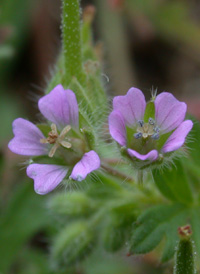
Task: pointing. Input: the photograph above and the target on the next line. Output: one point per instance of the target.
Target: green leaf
(173, 183)
(25, 216)
(154, 224)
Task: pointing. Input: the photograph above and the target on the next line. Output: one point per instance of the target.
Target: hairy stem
(71, 39)
(116, 173)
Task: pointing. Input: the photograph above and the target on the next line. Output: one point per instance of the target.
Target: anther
(156, 129)
(140, 122)
(138, 135)
(151, 121)
(155, 136)
(66, 144)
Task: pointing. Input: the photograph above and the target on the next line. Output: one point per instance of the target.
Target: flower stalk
(71, 40)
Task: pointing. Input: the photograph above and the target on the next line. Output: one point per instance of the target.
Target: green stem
(184, 263)
(71, 39)
(185, 258)
(140, 178)
(117, 173)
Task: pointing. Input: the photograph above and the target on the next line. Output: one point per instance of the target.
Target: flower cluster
(148, 131)
(61, 142)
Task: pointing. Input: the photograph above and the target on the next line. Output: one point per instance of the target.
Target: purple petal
(177, 139)
(117, 127)
(132, 106)
(151, 156)
(170, 112)
(87, 164)
(46, 177)
(60, 107)
(27, 139)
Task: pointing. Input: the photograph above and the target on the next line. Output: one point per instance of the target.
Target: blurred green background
(143, 43)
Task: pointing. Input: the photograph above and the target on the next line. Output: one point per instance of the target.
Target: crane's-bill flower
(61, 141)
(148, 131)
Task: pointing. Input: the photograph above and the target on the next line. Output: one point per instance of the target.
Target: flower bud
(184, 261)
(72, 244)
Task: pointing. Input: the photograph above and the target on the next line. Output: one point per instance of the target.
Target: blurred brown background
(145, 43)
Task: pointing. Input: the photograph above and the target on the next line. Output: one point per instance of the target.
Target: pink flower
(146, 137)
(59, 107)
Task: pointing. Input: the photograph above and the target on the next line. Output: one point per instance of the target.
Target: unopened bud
(72, 243)
(184, 261)
(185, 232)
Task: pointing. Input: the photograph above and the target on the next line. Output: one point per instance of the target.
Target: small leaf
(171, 241)
(173, 183)
(89, 137)
(149, 112)
(44, 128)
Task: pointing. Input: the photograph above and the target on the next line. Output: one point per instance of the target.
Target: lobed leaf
(156, 223)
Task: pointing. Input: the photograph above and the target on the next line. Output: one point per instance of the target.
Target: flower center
(56, 139)
(144, 130)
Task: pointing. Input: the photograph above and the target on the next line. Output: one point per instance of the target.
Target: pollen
(56, 139)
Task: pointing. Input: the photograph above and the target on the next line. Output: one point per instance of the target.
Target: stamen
(156, 129)
(54, 129)
(65, 131)
(44, 141)
(140, 122)
(155, 136)
(57, 140)
(151, 121)
(138, 135)
(66, 144)
(53, 150)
